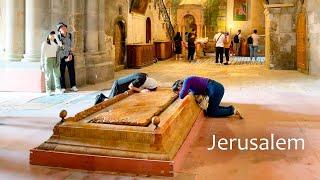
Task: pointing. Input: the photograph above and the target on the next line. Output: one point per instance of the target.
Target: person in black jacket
(66, 57)
(191, 45)
(178, 45)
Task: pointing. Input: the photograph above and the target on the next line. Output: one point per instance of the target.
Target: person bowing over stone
(207, 87)
(138, 82)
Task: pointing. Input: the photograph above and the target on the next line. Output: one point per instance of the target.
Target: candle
(205, 31)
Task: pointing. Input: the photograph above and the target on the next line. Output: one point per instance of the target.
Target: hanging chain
(166, 18)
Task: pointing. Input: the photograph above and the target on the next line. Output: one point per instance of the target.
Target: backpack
(236, 39)
(250, 40)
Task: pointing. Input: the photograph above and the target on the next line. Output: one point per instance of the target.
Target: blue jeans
(215, 91)
(253, 51)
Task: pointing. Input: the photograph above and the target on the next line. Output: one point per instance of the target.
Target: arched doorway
(119, 42)
(189, 22)
(148, 30)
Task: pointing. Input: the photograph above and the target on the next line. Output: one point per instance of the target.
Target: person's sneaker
(100, 98)
(74, 89)
(49, 93)
(63, 90)
(226, 63)
(58, 91)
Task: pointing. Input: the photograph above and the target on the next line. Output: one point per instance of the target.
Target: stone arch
(120, 19)
(196, 12)
(190, 25)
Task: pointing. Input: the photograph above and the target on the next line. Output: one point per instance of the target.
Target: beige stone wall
(281, 36)
(313, 20)
(159, 31)
(2, 27)
(137, 26)
(256, 18)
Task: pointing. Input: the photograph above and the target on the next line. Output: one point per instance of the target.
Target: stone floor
(285, 103)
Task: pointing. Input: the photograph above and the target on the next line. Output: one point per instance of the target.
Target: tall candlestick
(205, 31)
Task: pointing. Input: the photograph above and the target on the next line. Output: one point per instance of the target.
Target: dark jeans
(191, 51)
(120, 86)
(227, 53)
(215, 91)
(219, 53)
(72, 75)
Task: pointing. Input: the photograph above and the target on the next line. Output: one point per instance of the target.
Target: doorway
(148, 30)
(302, 63)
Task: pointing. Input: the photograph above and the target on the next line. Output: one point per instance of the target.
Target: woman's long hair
(177, 36)
(48, 40)
(176, 85)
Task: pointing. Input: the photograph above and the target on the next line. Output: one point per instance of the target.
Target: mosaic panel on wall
(240, 10)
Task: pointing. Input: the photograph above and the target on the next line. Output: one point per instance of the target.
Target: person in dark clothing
(66, 57)
(219, 39)
(204, 86)
(227, 44)
(139, 82)
(178, 45)
(191, 45)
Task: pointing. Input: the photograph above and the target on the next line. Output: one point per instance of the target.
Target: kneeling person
(138, 82)
(205, 86)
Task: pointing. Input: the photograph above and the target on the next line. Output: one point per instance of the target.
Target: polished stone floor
(284, 103)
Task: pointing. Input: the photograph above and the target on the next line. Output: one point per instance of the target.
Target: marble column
(92, 26)
(102, 34)
(37, 28)
(77, 26)
(59, 10)
(95, 57)
(14, 44)
(198, 30)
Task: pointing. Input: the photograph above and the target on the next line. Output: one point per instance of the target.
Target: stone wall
(116, 10)
(313, 20)
(256, 19)
(281, 36)
(159, 31)
(86, 20)
(137, 26)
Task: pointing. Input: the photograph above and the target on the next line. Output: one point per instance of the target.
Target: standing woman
(227, 44)
(178, 45)
(50, 65)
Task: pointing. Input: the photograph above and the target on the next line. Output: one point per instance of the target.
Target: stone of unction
(134, 141)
